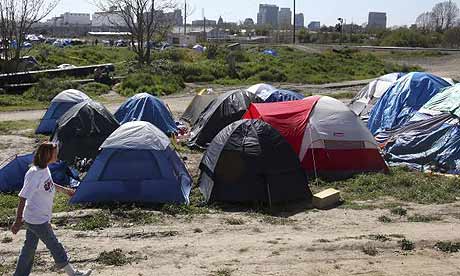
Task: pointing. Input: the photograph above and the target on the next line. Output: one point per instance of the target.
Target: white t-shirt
(39, 193)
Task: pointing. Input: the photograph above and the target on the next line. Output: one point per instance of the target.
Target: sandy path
(310, 243)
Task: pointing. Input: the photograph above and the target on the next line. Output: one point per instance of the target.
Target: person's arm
(68, 191)
(18, 222)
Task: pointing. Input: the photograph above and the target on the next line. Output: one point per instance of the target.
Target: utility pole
(293, 33)
(185, 18)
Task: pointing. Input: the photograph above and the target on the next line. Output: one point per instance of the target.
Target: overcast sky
(400, 12)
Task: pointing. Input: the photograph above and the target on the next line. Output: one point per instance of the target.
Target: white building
(70, 18)
(111, 19)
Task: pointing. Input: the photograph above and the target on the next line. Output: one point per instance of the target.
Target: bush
(46, 89)
(95, 88)
(150, 83)
(407, 38)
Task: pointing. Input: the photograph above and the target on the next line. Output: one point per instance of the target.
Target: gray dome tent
(249, 161)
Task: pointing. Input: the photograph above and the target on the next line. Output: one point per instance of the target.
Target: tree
(16, 19)
(452, 37)
(146, 21)
(425, 22)
(445, 15)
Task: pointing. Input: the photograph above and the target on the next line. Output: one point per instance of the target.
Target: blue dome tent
(145, 107)
(136, 164)
(280, 95)
(59, 105)
(12, 174)
(405, 97)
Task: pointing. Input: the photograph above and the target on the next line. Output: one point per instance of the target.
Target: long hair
(44, 154)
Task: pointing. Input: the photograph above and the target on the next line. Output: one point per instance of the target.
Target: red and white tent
(330, 140)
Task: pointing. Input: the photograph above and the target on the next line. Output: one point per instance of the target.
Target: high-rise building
(299, 20)
(314, 26)
(268, 15)
(377, 20)
(284, 17)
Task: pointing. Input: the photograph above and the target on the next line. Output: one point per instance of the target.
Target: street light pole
(293, 34)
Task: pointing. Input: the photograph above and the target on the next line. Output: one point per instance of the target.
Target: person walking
(35, 211)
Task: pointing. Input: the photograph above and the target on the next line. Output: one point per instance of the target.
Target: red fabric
(355, 160)
(289, 118)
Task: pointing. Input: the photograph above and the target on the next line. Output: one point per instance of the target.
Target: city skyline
(398, 12)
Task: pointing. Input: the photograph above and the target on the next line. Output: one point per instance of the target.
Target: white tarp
(374, 90)
(260, 88)
(332, 120)
(137, 135)
(71, 96)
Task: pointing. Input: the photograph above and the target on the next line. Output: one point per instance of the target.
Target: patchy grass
(384, 219)
(277, 220)
(97, 221)
(243, 250)
(399, 211)
(222, 272)
(370, 249)
(401, 184)
(423, 218)
(379, 237)
(8, 205)
(234, 221)
(136, 216)
(7, 240)
(407, 245)
(447, 246)
(13, 127)
(115, 257)
(19, 103)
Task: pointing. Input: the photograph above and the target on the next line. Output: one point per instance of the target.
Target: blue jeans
(45, 233)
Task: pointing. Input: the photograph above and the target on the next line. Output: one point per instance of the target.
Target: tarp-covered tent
(279, 95)
(59, 105)
(82, 130)
(329, 139)
(136, 164)
(148, 108)
(222, 111)
(260, 88)
(199, 103)
(405, 97)
(431, 137)
(249, 161)
(12, 174)
(365, 100)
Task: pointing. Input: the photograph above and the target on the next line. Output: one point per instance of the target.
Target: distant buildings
(70, 19)
(284, 17)
(201, 23)
(299, 20)
(377, 20)
(314, 26)
(268, 15)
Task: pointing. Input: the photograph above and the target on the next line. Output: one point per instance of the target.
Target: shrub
(407, 245)
(150, 83)
(115, 257)
(95, 88)
(46, 89)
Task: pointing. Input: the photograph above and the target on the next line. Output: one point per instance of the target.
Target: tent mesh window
(343, 145)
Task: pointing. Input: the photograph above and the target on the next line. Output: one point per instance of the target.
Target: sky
(399, 12)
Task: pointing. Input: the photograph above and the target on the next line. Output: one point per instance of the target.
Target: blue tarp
(139, 176)
(433, 142)
(270, 52)
(55, 111)
(279, 95)
(403, 99)
(12, 174)
(145, 107)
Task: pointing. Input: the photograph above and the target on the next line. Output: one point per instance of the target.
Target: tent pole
(269, 196)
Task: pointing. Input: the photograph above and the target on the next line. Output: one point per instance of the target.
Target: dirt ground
(341, 241)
